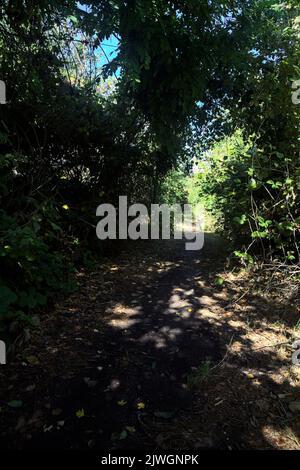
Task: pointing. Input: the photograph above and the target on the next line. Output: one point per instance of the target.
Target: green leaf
(252, 184)
(241, 220)
(73, 19)
(219, 281)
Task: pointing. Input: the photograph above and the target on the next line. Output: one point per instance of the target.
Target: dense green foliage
(173, 188)
(74, 134)
(254, 196)
(250, 181)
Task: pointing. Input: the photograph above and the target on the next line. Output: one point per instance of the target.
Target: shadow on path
(166, 326)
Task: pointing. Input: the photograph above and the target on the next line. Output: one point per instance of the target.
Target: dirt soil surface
(158, 349)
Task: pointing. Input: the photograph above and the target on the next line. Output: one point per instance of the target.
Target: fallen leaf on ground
(131, 429)
(80, 413)
(48, 429)
(294, 406)
(122, 403)
(32, 360)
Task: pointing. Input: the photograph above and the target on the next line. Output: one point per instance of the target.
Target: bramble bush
(33, 265)
(254, 196)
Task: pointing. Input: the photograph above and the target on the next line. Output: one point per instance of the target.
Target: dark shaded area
(133, 379)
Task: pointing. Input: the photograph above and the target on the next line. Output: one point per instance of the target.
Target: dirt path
(151, 354)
